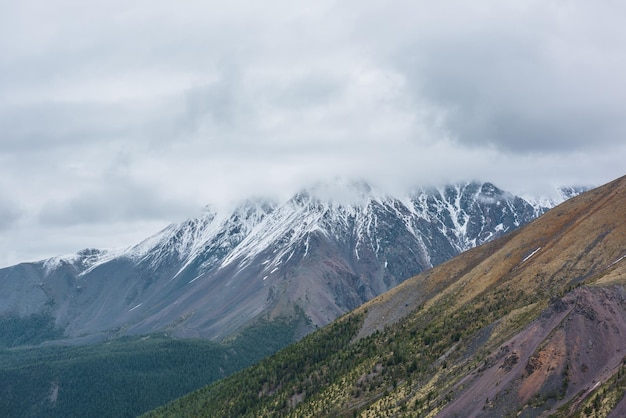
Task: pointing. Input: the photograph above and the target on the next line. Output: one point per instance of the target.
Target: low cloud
(116, 200)
(10, 213)
(139, 114)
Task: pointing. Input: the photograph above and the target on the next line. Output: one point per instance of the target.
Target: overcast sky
(119, 117)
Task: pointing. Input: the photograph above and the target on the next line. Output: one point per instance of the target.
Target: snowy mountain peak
(560, 195)
(327, 249)
(340, 193)
(80, 261)
(464, 213)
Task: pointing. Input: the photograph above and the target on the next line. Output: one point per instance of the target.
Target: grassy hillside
(510, 328)
(124, 377)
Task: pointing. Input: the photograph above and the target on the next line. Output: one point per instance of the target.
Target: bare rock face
(211, 276)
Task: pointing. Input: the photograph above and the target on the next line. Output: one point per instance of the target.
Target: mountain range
(530, 324)
(321, 253)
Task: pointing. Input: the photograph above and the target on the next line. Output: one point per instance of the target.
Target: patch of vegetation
(30, 330)
(600, 402)
(280, 381)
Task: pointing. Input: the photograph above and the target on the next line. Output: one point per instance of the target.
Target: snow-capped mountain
(214, 275)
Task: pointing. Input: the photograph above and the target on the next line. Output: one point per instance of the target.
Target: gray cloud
(525, 79)
(118, 116)
(46, 126)
(113, 199)
(310, 90)
(10, 213)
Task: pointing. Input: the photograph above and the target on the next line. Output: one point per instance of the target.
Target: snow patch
(195, 278)
(54, 263)
(530, 255)
(134, 307)
(85, 260)
(617, 261)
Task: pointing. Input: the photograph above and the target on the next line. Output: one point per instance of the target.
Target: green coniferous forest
(122, 377)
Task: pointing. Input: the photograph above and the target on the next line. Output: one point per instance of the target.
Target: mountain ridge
(530, 324)
(325, 251)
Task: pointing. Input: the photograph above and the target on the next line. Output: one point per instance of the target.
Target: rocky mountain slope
(216, 274)
(530, 324)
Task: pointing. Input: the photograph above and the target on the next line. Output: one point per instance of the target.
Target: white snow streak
(134, 307)
(530, 255)
(617, 261)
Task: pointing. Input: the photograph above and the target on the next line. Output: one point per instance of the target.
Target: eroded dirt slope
(576, 345)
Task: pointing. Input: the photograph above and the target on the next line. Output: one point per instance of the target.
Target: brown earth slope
(577, 343)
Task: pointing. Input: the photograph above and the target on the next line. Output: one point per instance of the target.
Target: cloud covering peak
(120, 117)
